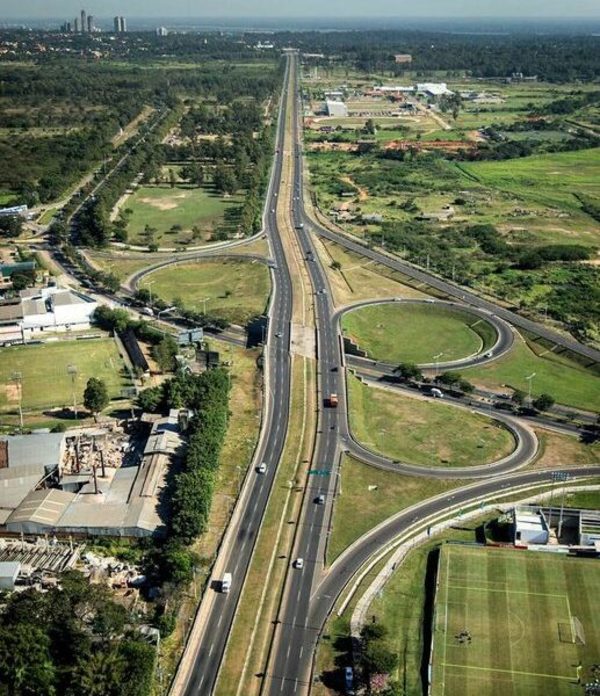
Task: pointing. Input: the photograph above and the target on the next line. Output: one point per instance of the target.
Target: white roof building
(336, 108)
(433, 89)
(42, 309)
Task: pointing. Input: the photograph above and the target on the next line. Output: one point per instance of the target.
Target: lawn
(423, 432)
(45, 380)
(233, 290)
(416, 333)
(565, 380)
(163, 207)
(378, 495)
(518, 608)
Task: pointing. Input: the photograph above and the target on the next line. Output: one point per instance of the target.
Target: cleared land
(45, 380)
(423, 432)
(518, 608)
(174, 212)
(568, 382)
(416, 333)
(233, 290)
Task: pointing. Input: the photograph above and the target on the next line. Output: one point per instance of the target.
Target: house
(402, 58)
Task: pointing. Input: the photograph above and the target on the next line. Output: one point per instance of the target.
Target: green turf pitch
(517, 607)
(46, 381)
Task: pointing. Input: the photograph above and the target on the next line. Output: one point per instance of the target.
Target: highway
(451, 290)
(309, 593)
(217, 610)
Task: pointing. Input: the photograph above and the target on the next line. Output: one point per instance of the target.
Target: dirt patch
(362, 193)
(13, 393)
(164, 203)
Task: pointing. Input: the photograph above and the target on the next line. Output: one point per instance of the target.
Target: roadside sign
(319, 472)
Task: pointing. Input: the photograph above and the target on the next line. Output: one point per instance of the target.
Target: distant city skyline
(486, 9)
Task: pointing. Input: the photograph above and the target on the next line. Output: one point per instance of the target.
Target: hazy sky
(540, 9)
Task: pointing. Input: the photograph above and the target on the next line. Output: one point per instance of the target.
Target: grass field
(416, 333)
(547, 179)
(46, 382)
(162, 207)
(423, 432)
(234, 290)
(378, 495)
(517, 607)
(565, 380)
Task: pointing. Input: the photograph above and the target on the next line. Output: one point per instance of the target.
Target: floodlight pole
(530, 380)
(17, 377)
(437, 358)
(72, 370)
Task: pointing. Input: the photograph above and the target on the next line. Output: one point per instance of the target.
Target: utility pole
(72, 370)
(561, 477)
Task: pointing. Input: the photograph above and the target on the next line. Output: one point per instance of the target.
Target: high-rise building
(122, 24)
(116, 25)
(83, 22)
(76, 25)
(161, 31)
(90, 23)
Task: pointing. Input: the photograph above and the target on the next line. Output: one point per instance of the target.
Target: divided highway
(200, 664)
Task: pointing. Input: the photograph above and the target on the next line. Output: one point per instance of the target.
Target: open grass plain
(417, 333)
(233, 290)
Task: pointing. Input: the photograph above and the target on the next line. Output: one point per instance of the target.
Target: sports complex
(515, 622)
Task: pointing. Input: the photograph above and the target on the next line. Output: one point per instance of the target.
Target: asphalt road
(452, 290)
(310, 594)
(209, 650)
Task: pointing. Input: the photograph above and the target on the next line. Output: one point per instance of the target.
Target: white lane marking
(212, 645)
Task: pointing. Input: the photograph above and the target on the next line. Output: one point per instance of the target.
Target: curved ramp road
(504, 333)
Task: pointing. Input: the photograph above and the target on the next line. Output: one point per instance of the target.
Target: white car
(262, 468)
(299, 563)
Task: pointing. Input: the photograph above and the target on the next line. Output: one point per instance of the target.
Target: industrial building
(88, 482)
(336, 108)
(44, 309)
(433, 89)
(557, 527)
(14, 211)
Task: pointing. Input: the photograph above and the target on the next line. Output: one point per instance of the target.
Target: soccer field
(46, 382)
(518, 613)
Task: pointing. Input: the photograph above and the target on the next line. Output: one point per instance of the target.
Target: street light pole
(530, 380)
(436, 358)
(149, 286)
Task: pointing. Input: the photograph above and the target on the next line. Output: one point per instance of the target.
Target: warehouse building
(44, 309)
(77, 489)
(336, 108)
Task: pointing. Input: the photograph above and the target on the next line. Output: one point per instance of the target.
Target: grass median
(568, 382)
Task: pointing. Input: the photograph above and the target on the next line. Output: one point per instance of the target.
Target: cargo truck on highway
(226, 583)
(333, 401)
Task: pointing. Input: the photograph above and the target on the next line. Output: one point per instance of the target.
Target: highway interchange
(310, 592)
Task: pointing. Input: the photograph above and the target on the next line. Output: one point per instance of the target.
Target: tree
(466, 386)
(172, 178)
(95, 396)
(449, 378)
(336, 266)
(378, 659)
(408, 371)
(22, 280)
(544, 402)
(11, 226)
(373, 631)
(26, 667)
(164, 353)
(518, 397)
